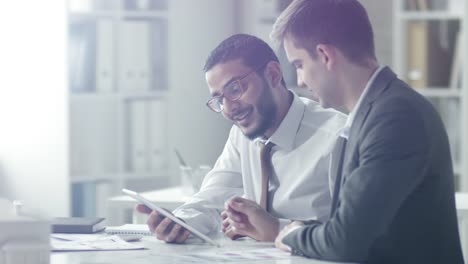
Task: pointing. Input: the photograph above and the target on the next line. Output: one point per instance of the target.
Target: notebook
(77, 225)
(129, 229)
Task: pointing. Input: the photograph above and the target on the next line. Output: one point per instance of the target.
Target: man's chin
(251, 133)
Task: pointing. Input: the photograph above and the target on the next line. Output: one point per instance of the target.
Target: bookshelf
(428, 53)
(118, 94)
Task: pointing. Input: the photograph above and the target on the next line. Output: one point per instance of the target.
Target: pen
(181, 160)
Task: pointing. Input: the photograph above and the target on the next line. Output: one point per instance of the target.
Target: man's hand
(284, 232)
(227, 228)
(164, 228)
(243, 217)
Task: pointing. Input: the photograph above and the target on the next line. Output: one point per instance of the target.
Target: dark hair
(254, 52)
(340, 23)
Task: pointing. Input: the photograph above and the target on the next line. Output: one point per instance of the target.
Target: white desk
(160, 252)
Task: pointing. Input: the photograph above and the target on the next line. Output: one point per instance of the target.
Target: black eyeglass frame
(215, 102)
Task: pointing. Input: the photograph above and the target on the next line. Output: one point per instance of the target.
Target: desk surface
(160, 252)
(171, 198)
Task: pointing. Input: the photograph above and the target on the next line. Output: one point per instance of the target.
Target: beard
(267, 109)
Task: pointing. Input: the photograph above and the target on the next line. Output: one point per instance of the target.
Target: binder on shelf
(81, 57)
(104, 56)
(456, 71)
(138, 136)
(456, 6)
(415, 5)
(157, 131)
(453, 127)
(417, 54)
(422, 5)
(103, 193)
(84, 199)
(80, 5)
(159, 54)
(93, 123)
(134, 61)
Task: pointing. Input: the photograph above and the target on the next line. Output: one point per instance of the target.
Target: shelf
(429, 15)
(101, 177)
(107, 177)
(119, 95)
(144, 14)
(145, 175)
(92, 95)
(87, 15)
(80, 16)
(439, 92)
(144, 94)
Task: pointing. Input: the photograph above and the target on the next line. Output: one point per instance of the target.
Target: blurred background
(96, 94)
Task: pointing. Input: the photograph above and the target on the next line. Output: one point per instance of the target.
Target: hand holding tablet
(167, 214)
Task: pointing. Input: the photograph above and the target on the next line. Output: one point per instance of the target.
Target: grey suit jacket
(395, 202)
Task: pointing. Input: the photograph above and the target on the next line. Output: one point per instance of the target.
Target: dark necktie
(267, 170)
(336, 171)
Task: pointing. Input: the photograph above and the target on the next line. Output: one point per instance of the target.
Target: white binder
(104, 56)
(134, 60)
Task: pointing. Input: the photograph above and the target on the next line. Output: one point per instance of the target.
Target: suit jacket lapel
(380, 84)
(337, 170)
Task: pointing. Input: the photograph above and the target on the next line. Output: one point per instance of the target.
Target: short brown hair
(340, 23)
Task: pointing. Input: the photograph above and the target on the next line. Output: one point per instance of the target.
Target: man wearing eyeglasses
(276, 158)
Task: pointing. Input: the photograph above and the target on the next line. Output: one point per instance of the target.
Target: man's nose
(300, 81)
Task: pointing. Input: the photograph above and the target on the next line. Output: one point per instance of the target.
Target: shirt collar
(349, 121)
(285, 134)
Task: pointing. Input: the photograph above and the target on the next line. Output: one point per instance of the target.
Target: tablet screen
(167, 214)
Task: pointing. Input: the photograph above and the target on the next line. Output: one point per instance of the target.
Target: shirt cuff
(292, 229)
(283, 223)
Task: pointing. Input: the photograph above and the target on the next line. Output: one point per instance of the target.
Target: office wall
(196, 27)
(381, 16)
(33, 105)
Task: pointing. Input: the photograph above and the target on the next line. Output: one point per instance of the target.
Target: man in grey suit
(393, 200)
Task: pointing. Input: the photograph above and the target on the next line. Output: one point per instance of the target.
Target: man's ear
(326, 55)
(273, 73)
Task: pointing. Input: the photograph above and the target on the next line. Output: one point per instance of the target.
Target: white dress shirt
(299, 187)
(349, 121)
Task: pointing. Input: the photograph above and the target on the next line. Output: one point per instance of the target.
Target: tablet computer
(162, 211)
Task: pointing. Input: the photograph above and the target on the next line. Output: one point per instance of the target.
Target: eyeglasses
(232, 92)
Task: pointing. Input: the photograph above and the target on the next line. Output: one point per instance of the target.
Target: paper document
(90, 243)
